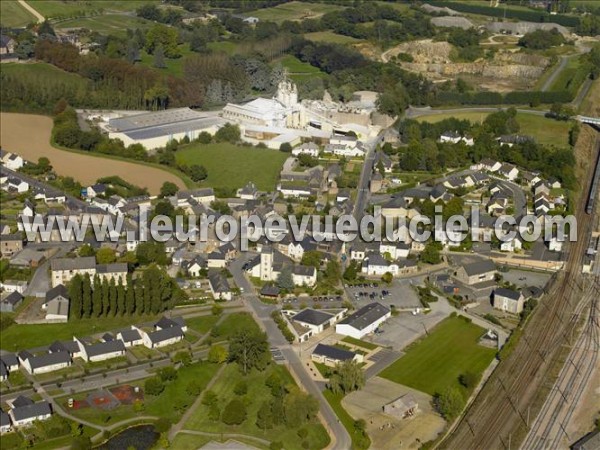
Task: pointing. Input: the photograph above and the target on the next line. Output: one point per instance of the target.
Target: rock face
(449, 21)
(521, 28)
(484, 68)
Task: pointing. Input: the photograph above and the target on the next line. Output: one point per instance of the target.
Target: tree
(387, 277)
(159, 58)
(163, 37)
(285, 280)
(249, 349)
(112, 298)
(241, 388)
(182, 357)
(168, 189)
(234, 413)
(197, 172)
(75, 295)
(469, 379)
(154, 386)
(299, 407)
(217, 354)
(105, 294)
(312, 258)
(228, 133)
(121, 299)
(450, 403)
(167, 373)
(105, 255)
(285, 147)
(86, 296)
(347, 377)
(264, 416)
(97, 297)
(431, 253)
(149, 252)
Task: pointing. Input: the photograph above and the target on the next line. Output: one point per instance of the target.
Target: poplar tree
(86, 296)
(97, 298)
(105, 297)
(75, 294)
(112, 297)
(121, 309)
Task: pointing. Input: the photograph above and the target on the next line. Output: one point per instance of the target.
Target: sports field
(435, 362)
(293, 11)
(545, 131)
(231, 166)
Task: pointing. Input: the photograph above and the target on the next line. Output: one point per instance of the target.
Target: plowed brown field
(29, 136)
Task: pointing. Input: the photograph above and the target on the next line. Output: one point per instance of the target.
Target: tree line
(151, 293)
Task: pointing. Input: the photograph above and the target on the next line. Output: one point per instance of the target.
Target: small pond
(141, 437)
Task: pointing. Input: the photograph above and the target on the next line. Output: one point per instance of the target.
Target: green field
(293, 11)
(43, 70)
(568, 76)
(62, 8)
(545, 131)
(223, 46)
(435, 362)
(109, 24)
(231, 166)
(233, 323)
(295, 66)
(335, 401)
(257, 393)
(174, 66)
(19, 337)
(202, 324)
(14, 15)
(331, 38)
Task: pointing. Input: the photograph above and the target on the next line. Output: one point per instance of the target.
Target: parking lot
(399, 293)
(324, 302)
(524, 278)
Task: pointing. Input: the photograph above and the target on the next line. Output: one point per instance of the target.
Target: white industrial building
(155, 129)
(364, 321)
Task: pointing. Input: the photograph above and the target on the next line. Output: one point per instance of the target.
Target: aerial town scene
(300, 224)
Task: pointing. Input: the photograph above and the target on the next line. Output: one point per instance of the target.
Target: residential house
(331, 356)
(248, 192)
(113, 271)
(130, 337)
(165, 322)
(71, 347)
(454, 137)
(95, 190)
(509, 171)
(382, 160)
(508, 300)
(29, 413)
(11, 302)
(10, 361)
(304, 275)
(11, 161)
(364, 321)
(490, 165)
(195, 266)
(309, 148)
(511, 245)
(476, 272)
(395, 250)
(14, 286)
(162, 338)
(316, 321)
(10, 244)
(513, 139)
(7, 45)
(375, 183)
(101, 351)
(64, 269)
(219, 286)
(5, 425)
(46, 362)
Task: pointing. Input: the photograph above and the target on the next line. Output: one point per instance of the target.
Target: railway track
(502, 406)
(553, 419)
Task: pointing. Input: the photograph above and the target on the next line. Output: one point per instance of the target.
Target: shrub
(234, 413)
(468, 380)
(241, 388)
(154, 386)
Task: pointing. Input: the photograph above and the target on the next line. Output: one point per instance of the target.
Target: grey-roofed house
(476, 272)
(56, 304)
(130, 337)
(5, 425)
(24, 415)
(270, 291)
(11, 302)
(101, 351)
(165, 322)
(64, 269)
(364, 321)
(508, 300)
(330, 356)
(161, 338)
(3, 372)
(114, 271)
(219, 286)
(46, 362)
(71, 347)
(316, 320)
(10, 361)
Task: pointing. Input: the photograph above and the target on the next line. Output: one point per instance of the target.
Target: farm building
(155, 129)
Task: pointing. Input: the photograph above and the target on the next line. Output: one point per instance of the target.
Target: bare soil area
(388, 432)
(29, 136)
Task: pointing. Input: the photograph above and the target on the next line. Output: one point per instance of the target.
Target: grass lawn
(108, 24)
(43, 70)
(257, 393)
(59, 8)
(202, 324)
(331, 37)
(435, 362)
(190, 441)
(335, 401)
(564, 79)
(223, 46)
(293, 11)
(359, 343)
(230, 166)
(545, 131)
(232, 323)
(295, 66)
(14, 15)
(18, 337)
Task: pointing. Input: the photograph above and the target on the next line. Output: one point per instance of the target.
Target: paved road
(550, 81)
(276, 339)
(362, 193)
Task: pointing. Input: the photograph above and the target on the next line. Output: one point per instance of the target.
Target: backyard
(231, 167)
(435, 362)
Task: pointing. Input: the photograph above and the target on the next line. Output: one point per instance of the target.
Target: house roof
(4, 419)
(104, 348)
(337, 354)
(112, 268)
(48, 359)
(107, 337)
(64, 346)
(29, 411)
(165, 334)
(130, 335)
(508, 293)
(479, 267)
(13, 298)
(59, 290)
(366, 315)
(312, 317)
(83, 263)
(305, 271)
(165, 322)
(218, 282)
(268, 290)
(21, 401)
(9, 359)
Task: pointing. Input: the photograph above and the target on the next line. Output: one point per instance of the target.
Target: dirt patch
(126, 394)
(388, 432)
(29, 136)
